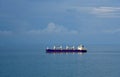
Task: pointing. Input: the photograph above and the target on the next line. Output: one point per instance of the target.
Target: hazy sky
(64, 21)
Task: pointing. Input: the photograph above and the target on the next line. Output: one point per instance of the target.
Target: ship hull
(65, 51)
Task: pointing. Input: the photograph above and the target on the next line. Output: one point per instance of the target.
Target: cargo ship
(79, 49)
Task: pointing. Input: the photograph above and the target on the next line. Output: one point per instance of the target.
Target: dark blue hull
(65, 51)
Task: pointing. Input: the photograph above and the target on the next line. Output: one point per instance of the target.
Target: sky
(32, 22)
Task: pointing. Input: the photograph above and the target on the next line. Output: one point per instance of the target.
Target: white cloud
(103, 10)
(99, 11)
(106, 11)
(53, 28)
(112, 31)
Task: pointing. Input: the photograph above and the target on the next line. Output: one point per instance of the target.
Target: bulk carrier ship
(79, 49)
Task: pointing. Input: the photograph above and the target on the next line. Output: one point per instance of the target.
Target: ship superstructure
(60, 49)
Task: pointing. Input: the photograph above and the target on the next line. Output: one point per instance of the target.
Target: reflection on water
(65, 53)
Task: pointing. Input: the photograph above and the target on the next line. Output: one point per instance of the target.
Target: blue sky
(63, 21)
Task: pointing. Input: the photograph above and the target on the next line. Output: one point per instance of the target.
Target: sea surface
(99, 61)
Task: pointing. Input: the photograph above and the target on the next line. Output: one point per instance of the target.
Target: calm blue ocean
(99, 61)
